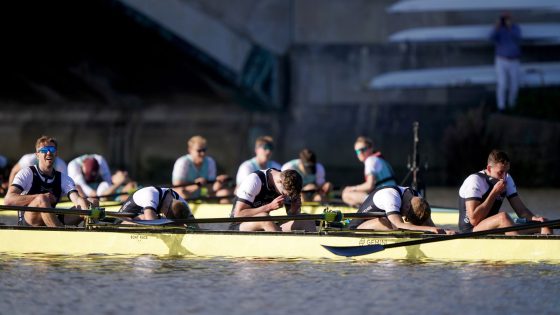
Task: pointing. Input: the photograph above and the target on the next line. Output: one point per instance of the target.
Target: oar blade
(162, 221)
(350, 251)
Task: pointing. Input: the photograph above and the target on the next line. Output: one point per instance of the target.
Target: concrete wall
(334, 48)
(146, 140)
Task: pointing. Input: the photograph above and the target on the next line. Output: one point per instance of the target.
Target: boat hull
(262, 245)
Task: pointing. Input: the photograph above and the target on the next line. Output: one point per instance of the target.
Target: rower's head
(505, 19)
(291, 183)
(46, 149)
(197, 147)
(498, 164)
(90, 169)
(419, 211)
(308, 160)
(363, 148)
(263, 148)
(177, 210)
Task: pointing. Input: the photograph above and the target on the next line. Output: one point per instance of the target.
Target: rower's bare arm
(429, 222)
(398, 223)
(15, 198)
(13, 173)
(79, 201)
(366, 186)
(522, 210)
(118, 179)
(244, 210)
(477, 211)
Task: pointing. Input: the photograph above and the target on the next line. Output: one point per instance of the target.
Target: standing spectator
(506, 37)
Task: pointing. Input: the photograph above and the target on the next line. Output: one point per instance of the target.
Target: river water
(39, 284)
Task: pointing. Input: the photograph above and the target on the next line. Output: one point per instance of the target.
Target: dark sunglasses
(203, 150)
(361, 150)
(47, 149)
(267, 146)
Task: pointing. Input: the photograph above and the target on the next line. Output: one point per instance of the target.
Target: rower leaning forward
(264, 191)
(151, 203)
(404, 207)
(42, 186)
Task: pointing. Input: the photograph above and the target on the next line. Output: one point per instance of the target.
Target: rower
(196, 173)
(93, 177)
(377, 172)
(315, 187)
(264, 191)
(481, 195)
(43, 186)
(264, 146)
(398, 203)
(150, 203)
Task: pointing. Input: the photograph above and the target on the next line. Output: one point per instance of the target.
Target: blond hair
(263, 140)
(196, 140)
(45, 139)
(365, 140)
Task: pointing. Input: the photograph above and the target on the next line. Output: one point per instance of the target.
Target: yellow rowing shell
(267, 245)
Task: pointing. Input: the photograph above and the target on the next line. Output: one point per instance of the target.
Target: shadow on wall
(532, 145)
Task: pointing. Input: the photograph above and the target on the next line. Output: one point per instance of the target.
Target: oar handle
(96, 212)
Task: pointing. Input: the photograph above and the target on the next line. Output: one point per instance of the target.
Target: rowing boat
(174, 241)
(440, 215)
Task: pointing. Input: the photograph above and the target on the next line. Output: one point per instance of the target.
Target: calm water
(146, 285)
(35, 284)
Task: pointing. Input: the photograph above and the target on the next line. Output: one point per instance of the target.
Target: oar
(350, 251)
(327, 216)
(96, 213)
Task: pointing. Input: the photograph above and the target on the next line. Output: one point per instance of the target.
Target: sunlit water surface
(38, 284)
